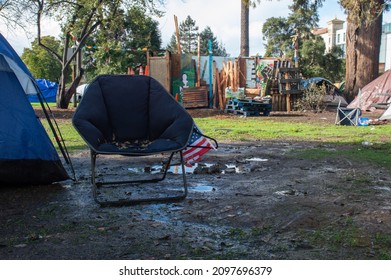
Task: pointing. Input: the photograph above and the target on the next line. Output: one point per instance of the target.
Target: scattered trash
(363, 121)
(199, 168)
(366, 143)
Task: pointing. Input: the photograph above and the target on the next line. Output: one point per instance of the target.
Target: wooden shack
(178, 74)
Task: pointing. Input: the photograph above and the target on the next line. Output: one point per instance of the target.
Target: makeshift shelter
(376, 92)
(27, 155)
(386, 115)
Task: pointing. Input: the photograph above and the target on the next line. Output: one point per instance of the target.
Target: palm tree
(244, 28)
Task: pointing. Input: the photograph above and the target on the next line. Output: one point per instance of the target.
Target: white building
(385, 47)
(335, 35)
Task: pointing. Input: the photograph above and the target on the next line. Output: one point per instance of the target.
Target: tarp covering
(27, 155)
(373, 93)
(386, 115)
(48, 90)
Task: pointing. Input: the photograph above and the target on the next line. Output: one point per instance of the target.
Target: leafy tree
(40, 62)
(188, 31)
(280, 32)
(315, 63)
(189, 40)
(313, 58)
(172, 46)
(79, 19)
(363, 38)
(217, 48)
(303, 18)
(277, 32)
(335, 65)
(124, 45)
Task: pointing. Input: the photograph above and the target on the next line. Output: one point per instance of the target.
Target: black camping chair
(132, 116)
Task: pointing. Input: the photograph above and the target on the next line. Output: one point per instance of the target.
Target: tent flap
(27, 155)
(373, 93)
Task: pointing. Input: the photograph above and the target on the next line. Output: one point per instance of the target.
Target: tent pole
(57, 136)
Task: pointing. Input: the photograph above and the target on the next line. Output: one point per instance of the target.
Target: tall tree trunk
(362, 55)
(244, 29)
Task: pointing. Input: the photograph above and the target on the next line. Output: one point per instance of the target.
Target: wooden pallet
(248, 107)
(242, 112)
(289, 81)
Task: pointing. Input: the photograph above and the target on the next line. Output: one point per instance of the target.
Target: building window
(338, 38)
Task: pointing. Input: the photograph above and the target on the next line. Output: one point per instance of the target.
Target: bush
(312, 100)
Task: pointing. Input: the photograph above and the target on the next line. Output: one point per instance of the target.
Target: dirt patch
(261, 200)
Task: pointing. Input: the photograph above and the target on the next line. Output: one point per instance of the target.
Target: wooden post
(215, 86)
(199, 62)
(288, 96)
(210, 73)
(219, 91)
(178, 39)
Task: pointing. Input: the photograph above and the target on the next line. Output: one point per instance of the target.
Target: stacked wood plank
(196, 97)
(229, 76)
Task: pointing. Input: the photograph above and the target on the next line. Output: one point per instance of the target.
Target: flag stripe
(198, 145)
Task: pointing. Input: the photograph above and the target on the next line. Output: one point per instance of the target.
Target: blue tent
(27, 155)
(48, 90)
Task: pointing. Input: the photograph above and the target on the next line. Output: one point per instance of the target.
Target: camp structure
(27, 155)
(374, 94)
(386, 115)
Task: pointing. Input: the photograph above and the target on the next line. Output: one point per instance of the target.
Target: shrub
(312, 100)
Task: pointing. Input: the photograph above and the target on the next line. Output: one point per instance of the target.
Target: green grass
(350, 236)
(260, 129)
(379, 153)
(246, 129)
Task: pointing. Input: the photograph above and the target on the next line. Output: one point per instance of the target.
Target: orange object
(141, 72)
(146, 72)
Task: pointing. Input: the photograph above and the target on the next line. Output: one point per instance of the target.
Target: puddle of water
(287, 192)
(257, 159)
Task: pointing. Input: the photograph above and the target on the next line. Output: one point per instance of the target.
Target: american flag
(198, 145)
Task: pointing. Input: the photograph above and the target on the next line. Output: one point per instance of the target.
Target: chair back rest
(126, 100)
(132, 107)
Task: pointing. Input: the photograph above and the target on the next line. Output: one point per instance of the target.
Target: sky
(222, 16)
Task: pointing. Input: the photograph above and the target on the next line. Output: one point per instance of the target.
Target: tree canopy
(78, 20)
(123, 45)
(40, 63)
(188, 34)
(281, 33)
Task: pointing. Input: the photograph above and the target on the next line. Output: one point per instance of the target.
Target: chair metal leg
(126, 202)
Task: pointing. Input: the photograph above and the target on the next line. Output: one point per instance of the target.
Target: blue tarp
(48, 89)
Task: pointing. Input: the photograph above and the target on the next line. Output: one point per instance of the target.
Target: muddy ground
(248, 200)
